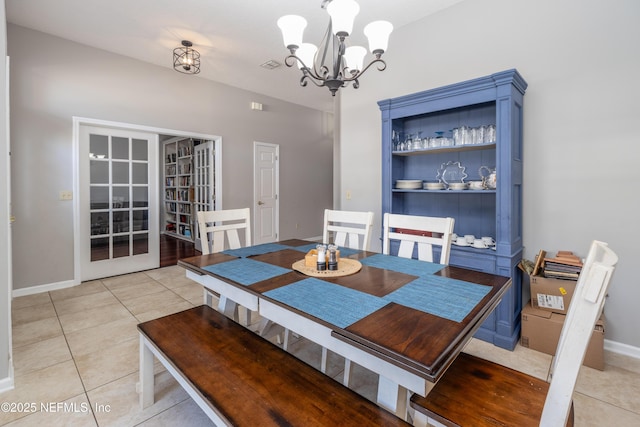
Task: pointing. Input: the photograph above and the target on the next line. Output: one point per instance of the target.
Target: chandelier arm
(308, 77)
(291, 60)
(381, 67)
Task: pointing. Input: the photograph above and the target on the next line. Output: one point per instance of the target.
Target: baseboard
(7, 384)
(620, 348)
(43, 288)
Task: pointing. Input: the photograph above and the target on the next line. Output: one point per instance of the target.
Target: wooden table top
(418, 341)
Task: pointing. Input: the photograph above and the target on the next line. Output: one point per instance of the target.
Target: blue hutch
(482, 102)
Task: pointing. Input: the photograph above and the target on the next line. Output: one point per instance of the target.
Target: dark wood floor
(172, 249)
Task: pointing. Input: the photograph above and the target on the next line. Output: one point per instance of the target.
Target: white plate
(457, 244)
(407, 184)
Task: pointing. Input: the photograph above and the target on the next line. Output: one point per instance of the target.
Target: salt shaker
(322, 260)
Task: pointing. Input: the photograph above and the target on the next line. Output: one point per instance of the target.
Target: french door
(118, 180)
(204, 185)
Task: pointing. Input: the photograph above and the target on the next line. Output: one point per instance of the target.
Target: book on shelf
(564, 266)
(560, 275)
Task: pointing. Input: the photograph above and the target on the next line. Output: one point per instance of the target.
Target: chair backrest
(584, 310)
(349, 229)
(213, 226)
(423, 231)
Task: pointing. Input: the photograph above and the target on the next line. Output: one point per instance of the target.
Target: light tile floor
(76, 360)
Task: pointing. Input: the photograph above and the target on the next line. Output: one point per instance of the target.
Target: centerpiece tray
(346, 267)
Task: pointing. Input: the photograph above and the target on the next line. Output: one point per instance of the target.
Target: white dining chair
(348, 229)
(423, 231)
(213, 227)
(477, 392)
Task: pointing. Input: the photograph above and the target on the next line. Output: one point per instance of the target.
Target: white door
(118, 186)
(265, 193)
(204, 194)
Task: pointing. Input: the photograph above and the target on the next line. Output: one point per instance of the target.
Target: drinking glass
(490, 135)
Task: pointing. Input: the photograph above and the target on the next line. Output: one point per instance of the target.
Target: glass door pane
(119, 196)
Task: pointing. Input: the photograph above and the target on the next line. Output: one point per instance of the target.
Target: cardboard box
(551, 294)
(541, 331)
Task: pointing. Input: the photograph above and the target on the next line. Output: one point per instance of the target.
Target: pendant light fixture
(186, 59)
(334, 65)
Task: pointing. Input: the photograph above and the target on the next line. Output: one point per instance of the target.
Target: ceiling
(233, 36)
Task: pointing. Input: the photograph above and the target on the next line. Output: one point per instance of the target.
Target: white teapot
(489, 177)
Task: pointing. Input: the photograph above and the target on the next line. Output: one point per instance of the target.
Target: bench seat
(241, 379)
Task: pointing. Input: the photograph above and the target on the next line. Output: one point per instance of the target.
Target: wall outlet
(348, 195)
(66, 195)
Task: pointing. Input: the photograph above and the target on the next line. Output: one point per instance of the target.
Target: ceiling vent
(270, 64)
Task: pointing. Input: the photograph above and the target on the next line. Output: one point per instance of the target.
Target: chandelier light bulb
(343, 13)
(292, 27)
(378, 33)
(307, 54)
(354, 57)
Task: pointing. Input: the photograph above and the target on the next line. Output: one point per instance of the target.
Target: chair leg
(347, 373)
(208, 298)
(420, 419)
(228, 308)
(244, 315)
(323, 361)
(285, 341)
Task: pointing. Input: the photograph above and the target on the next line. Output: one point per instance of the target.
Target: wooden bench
(241, 379)
(484, 394)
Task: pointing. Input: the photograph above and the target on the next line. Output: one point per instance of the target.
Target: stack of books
(564, 266)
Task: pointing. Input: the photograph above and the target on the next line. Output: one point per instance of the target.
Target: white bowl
(433, 186)
(458, 186)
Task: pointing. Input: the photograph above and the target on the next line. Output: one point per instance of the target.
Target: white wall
(54, 79)
(6, 380)
(581, 144)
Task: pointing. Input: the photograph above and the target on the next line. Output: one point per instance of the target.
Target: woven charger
(346, 267)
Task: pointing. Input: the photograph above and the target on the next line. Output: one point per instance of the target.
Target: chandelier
(334, 65)
(186, 59)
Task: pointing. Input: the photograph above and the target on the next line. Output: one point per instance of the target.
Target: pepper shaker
(333, 258)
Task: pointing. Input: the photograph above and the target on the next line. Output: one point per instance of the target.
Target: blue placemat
(343, 251)
(255, 250)
(246, 271)
(403, 265)
(448, 298)
(304, 248)
(332, 303)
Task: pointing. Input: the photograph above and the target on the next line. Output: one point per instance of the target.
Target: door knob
(260, 203)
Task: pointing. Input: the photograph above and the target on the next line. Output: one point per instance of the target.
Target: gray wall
(5, 289)
(581, 112)
(54, 79)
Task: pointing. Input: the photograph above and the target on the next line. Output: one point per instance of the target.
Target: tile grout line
(75, 364)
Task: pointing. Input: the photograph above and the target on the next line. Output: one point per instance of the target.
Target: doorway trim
(84, 121)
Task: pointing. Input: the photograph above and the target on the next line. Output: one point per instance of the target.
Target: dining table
(404, 319)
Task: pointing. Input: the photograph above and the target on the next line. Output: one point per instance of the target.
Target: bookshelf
(178, 188)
